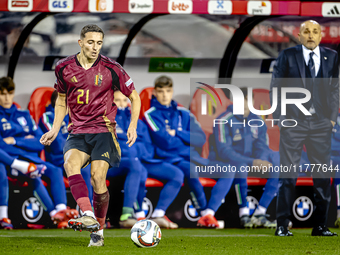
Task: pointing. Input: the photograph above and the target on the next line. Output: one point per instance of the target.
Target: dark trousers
(316, 135)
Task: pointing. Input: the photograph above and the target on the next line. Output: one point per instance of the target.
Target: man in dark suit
(315, 69)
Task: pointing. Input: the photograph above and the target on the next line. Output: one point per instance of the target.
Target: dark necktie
(311, 65)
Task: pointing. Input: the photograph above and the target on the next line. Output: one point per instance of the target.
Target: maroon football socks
(100, 205)
(79, 191)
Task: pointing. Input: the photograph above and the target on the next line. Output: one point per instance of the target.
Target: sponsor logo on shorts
(74, 79)
(106, 155)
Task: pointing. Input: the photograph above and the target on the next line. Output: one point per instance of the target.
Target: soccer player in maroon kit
(86, 83)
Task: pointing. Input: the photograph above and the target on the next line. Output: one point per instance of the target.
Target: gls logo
(60, 5)
(238, 103)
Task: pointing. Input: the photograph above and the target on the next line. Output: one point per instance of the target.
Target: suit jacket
(290, 64)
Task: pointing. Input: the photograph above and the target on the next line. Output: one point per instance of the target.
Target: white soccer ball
(146, 233)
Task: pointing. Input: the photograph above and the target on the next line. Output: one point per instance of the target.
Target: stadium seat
(150, 182)
(40, 98)
(262, 102)
(206, 121)
(17, 105)
(145, 97)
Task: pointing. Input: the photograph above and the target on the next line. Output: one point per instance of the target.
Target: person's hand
(131, 135)
(172, 132)
(333, 123)
(266, 163)
(9, 140)
(257, 163)
(49, 137)
(29, 136)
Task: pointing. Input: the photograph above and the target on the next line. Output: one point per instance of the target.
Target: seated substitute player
(24, 167)
(171, 128)
(20, 139)
(54, 152)
(86, 83)
(243, 146)
(155, 168)
(129, 164)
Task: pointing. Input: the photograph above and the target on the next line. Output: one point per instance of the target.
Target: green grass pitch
(180, 241)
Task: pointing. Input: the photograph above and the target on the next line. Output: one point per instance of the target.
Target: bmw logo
(31, 210)
(190, 211)
(252, 203)
(303, 208)
(147, 207)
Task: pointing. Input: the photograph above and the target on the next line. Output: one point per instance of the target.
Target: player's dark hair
(163, 81)
(90, 28)
(6, 83)
(54, 97)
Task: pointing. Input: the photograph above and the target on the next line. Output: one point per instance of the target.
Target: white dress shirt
(316, 57)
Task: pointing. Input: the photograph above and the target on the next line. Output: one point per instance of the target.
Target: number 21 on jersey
(79, 98)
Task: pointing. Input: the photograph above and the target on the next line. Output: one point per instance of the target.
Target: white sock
(260, 210)
(60, 207)
(53, 212)
(208, 211)
(20, 165)
(100, 232)
(243, 211)
(140, 214)
(338, 213)
(3, 212)
(89, 213)
(158, 213)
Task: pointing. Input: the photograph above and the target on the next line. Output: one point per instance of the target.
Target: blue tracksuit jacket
(143, 147)
(189, 134)
(237, 143)
(54, 152)
(18, 124)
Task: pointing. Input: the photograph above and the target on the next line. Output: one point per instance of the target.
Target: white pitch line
(229, 235)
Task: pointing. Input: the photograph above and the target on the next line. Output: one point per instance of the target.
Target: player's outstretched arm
(60, 112)
(136, 104)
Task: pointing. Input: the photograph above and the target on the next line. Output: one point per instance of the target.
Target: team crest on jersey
(22, 121)
(255, 132)
(98, 80)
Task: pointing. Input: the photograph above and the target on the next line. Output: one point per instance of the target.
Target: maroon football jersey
(89, 93)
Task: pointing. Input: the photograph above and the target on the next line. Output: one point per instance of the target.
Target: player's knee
(71, 167)
(98, 179)
(179, 178)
